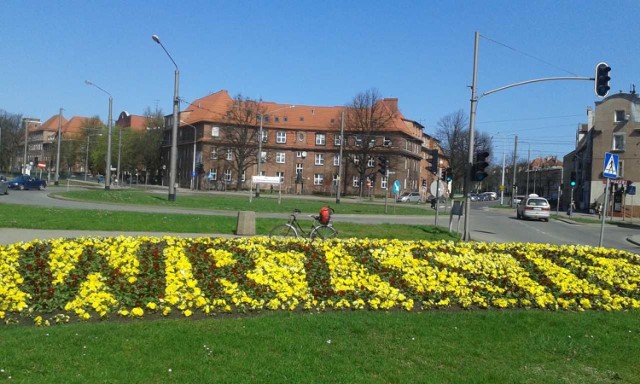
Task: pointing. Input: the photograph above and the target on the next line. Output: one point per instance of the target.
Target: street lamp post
(193, 167)
(26, 122)
(174, 130)
(107, 177)
(260, 145)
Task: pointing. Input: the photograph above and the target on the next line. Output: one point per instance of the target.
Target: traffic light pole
(472, 119)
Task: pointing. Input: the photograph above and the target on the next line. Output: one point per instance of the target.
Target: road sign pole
(604, 212)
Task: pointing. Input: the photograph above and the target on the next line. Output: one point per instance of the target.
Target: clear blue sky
(323, 53)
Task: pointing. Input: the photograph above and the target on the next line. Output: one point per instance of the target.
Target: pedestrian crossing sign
(610, 166)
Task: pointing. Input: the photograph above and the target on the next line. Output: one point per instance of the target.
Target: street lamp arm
(157, 40)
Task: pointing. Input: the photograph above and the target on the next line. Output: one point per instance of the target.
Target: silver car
(409, 197)
(533, 207)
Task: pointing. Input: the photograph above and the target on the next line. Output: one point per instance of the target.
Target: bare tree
(241, 135)
(453, 133)
(365, 120)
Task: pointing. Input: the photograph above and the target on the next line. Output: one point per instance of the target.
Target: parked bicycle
(293, 228)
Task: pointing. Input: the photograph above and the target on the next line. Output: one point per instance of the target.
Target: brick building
(300, 145)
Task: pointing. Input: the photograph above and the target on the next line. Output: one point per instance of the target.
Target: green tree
(11, 133)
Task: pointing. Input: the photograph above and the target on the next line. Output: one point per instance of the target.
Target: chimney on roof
(392, 102)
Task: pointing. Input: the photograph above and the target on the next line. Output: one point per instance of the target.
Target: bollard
(246, 225)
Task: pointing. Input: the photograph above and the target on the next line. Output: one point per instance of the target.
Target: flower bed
(89, 278)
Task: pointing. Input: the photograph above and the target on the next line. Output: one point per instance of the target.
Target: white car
(409, 197)
(533, 207)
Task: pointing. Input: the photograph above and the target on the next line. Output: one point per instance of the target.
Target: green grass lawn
(103, 220)
(347, 347)
(234, 202)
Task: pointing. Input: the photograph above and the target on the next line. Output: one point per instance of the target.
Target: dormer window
(620, 116)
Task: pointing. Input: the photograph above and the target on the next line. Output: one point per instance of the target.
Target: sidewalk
(635, 239)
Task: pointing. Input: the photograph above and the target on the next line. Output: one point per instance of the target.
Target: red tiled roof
(214, 107)
(73, 126)
(52, 123)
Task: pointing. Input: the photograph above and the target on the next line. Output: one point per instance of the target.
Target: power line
(529, 55)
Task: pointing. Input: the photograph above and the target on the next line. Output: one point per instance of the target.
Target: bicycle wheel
(283, 230)
(323, 232)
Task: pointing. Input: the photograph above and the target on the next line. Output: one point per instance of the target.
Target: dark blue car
(23, 182)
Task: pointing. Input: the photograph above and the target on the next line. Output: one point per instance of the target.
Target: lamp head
(155, 38)
(88, 82)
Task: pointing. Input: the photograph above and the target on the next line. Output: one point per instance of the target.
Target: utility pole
(515, 162)
(472, 121)
(56, 179)
(339, 178)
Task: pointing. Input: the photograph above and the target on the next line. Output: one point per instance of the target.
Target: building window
(285, 119)
(319, 159)
(263, 157)
(383, 182)
(337, 140)
(620, 168)
(618, 142)
(299, 154)
(336, 160)
(276, 119)
(620, 116)
(213, 175)
(281, 137)
(229, 154)
(280, 156)
(280, 174)
(244, 176)
(227, 175)
(356, 160)
(321, 139)
(264, 136)
(318, 179)
(356, 181)
(387, 141)
(215, 131)
(371, 162)
(214, 153)
(299, 168)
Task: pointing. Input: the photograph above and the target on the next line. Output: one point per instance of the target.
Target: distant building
(613, 127)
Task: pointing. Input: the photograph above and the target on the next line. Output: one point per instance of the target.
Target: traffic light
(601, 83)
(449, 175)
(478, 169)
(443, 175)
(383, 163)
(573, 179)
(433, 161)
(199, 168)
